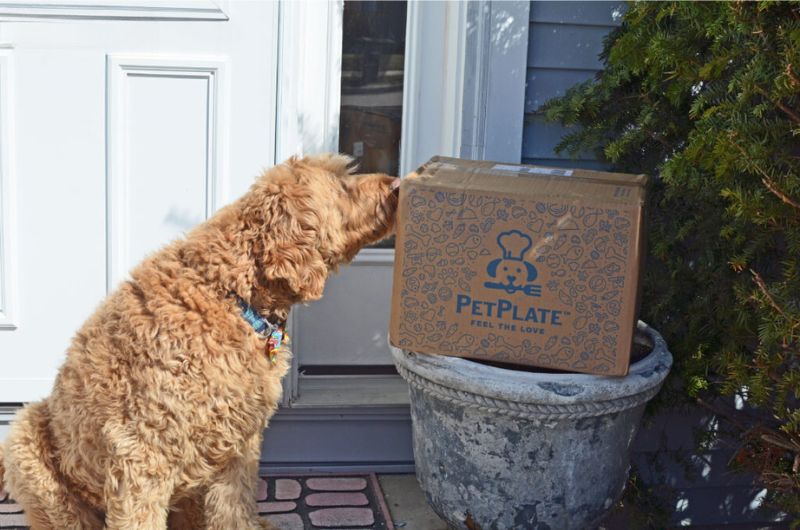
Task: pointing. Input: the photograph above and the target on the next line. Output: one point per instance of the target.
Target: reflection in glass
(373, 53)
(373, 57)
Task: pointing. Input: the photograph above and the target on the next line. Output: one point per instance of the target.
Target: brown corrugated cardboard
(519, 264)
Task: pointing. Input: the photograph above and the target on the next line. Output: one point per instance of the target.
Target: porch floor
(405, 501)
(410, 511)
(407, 504)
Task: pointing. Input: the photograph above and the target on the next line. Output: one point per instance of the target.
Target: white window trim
(434, 76)
(496, 52)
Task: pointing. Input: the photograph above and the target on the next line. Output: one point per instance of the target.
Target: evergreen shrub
(705, 98)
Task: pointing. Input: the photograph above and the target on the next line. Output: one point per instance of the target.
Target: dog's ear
(290, 242)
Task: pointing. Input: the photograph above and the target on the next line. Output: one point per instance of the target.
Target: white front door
(122, 125)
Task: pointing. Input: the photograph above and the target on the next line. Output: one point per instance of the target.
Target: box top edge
(488, 166)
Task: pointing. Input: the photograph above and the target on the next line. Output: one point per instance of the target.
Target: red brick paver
(291, 503)
(261, 491)
(336, 484)
(337, 499)
(287, 521)
(340, 517)
(276, 507)
(13, 519)
(287, 489)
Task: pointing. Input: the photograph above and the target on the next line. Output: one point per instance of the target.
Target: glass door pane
(373, 59)
(373, 56)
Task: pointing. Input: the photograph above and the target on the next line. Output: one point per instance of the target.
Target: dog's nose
(511, 278)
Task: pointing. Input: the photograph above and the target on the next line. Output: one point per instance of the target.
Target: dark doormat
(293, 502)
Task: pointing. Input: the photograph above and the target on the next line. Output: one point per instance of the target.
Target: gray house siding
(564, 41)
(699, 487)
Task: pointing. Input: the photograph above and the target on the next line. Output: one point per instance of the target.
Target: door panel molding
(120, 70)
(176, 10)
(8, 218)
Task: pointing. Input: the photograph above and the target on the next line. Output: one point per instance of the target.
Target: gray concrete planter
(507, 449)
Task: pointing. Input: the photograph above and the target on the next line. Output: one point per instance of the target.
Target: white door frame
(8, 218)
(496, 53)
(434, 81)
(309, 78)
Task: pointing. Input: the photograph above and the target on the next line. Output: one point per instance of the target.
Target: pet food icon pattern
(577, 253)
(512, 273)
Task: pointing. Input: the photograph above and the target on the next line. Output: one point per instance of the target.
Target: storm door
(382, 85)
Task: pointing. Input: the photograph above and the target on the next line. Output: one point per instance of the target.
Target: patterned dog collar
(276, 335)
(262, 326)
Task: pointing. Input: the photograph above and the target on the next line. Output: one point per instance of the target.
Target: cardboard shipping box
(519, 264)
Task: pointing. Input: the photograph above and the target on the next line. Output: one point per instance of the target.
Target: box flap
(566, 184)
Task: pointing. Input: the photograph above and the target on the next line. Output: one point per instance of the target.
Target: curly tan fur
(157, 414)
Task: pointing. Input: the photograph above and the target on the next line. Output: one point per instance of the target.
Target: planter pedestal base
(504, 449)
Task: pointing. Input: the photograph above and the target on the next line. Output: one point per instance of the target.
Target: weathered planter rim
(460, 377)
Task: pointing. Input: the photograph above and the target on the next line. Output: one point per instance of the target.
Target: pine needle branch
(762, 286)
(768, 182)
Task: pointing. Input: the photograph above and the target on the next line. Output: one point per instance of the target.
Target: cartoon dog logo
(511, 272)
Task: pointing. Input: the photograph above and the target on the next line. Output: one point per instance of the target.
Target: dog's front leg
(137, 492)
(231, 499)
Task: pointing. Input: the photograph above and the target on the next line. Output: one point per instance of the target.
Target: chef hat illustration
(514, 244)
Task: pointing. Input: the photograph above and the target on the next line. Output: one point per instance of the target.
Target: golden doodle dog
(156, 417)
